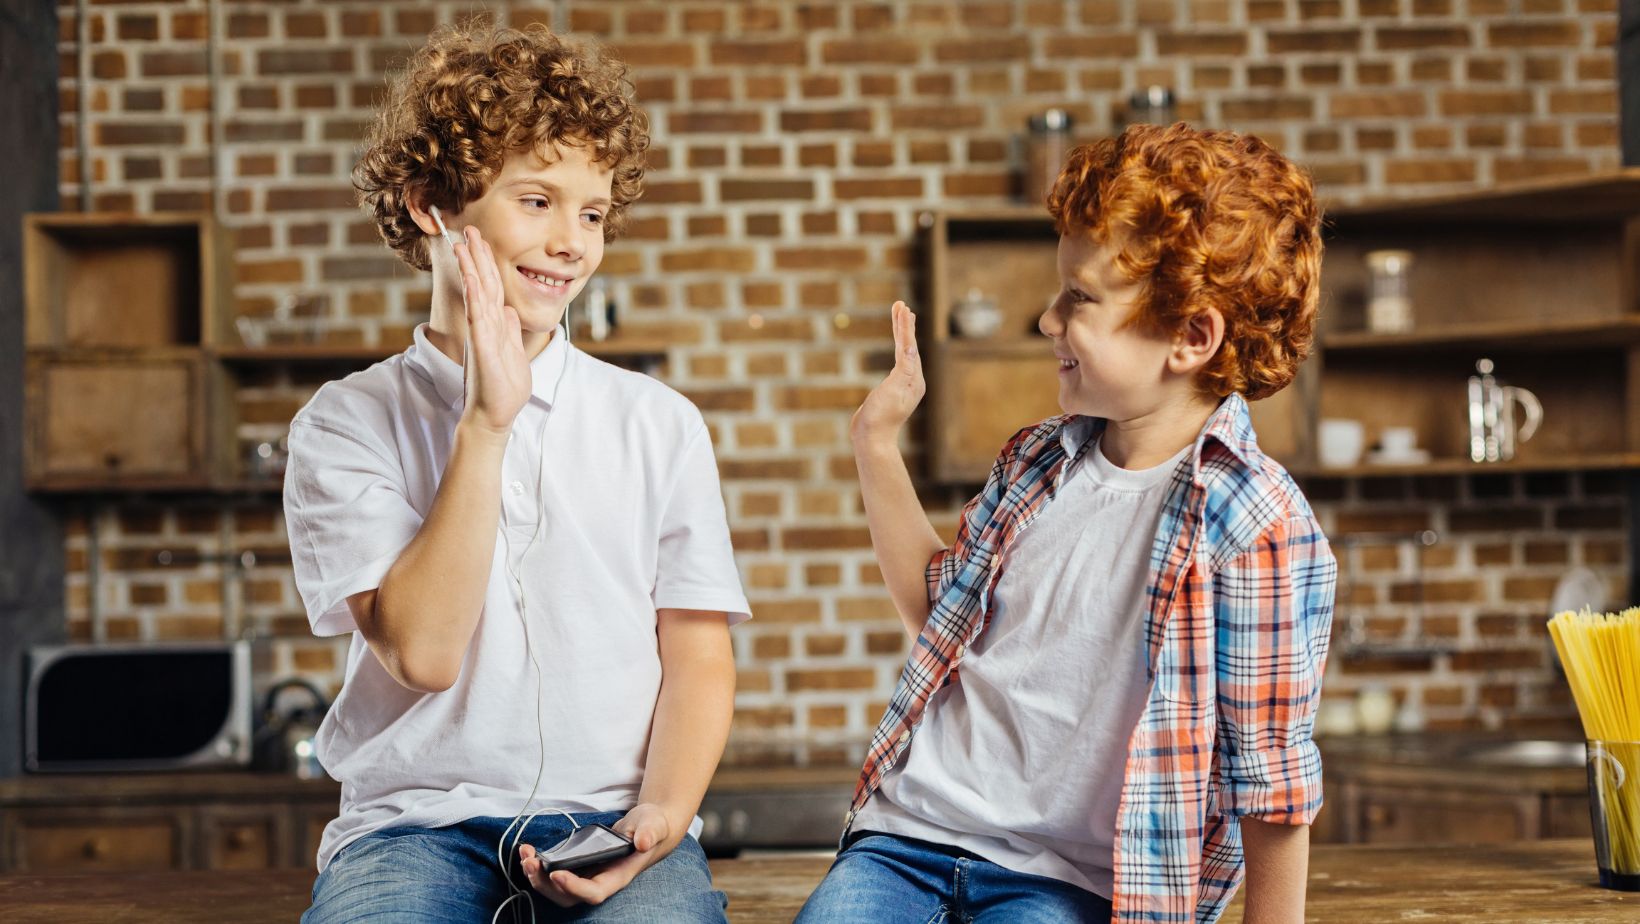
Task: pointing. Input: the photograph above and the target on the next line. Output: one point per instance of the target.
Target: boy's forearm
(901, 535)
(1278, 864)
(430, 600)
(692, 716)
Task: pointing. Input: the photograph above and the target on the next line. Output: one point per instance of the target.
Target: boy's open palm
(498, 372)
(890, 404)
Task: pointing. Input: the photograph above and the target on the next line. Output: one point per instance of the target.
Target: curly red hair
(475, 94)
(1206, 219)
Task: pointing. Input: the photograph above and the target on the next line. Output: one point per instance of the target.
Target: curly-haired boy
(1116, 665)
(528, 545)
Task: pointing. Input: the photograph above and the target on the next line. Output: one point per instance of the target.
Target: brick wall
(796, 145)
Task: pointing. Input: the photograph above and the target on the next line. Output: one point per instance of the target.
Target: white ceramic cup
(1341, 442)
(1398, 441)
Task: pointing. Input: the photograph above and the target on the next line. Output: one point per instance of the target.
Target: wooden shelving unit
(1542, 278)
(134, 367)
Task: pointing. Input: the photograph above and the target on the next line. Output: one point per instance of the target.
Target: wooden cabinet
(85, 841)
(163, 821)
(1541, 278)
(1430, 789)
(136, 376)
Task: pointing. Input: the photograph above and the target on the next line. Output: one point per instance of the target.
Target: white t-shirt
(634, 523)
(1021, 760)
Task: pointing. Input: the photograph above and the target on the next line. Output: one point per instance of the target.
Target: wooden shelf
(1613, 333)
(1592, 462)
(1610, 196)
(1543, 277)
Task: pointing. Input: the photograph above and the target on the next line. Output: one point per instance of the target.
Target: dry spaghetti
(1601, 655)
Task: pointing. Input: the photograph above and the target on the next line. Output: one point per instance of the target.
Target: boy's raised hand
(497, 372)
(890, 404)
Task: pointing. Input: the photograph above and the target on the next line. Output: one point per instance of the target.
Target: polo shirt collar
(448, 377)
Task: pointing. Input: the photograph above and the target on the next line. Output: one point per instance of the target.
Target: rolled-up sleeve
(348, 518)
(1273, 610)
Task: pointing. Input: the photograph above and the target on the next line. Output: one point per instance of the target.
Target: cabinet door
(310, 829)
(47, 840)
(1402, 816)
(115, 421)
(986, 393)
(242, 838)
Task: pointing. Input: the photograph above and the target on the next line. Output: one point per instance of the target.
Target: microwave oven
(110, 707)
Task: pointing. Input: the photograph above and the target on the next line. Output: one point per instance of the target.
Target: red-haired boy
(1116, 665)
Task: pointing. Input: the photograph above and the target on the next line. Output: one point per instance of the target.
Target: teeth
(544, 280)
(1068, 364)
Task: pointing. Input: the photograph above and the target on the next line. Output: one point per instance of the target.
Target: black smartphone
(587, 845)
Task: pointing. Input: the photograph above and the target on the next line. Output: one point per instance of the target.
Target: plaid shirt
(1238, 615)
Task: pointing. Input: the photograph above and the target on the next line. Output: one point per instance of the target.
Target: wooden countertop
(1495, 884)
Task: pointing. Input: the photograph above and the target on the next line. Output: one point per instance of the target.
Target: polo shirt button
(517, 487)
(904, 737)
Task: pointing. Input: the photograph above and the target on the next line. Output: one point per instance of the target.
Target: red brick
(1534, 34)
(722, 122)
(1267, 109)
(1376, 105)
(1201, 44)
(717, 259)
(1485, 102)
(843, 259)
(994, 48)
(893, 188)
(751, 190)
(274, 61)
(826, 120)
(1083, 47)
(861, 678)
(647, 55)
(904, 118)
(897, 51)
(1393, 39)
(769, 54)
(1313, 41)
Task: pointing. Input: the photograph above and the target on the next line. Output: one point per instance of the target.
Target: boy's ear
(1197, 343)
(415, 202)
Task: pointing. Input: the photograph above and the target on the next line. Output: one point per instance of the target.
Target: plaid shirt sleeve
(1273, 606)
(943, 567)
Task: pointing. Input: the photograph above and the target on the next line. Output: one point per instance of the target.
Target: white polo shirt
(634, 522)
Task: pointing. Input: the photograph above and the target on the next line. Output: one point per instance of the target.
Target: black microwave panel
(160, 706)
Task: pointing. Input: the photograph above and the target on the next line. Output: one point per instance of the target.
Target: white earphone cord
(502, 849)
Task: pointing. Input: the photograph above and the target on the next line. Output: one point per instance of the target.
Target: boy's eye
(596, 218)
(535, 202)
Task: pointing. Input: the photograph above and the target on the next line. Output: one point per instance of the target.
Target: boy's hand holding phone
(890, 404)
(646, 826)
(498, 372)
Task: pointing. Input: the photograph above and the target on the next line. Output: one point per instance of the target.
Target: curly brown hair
(475, 94)
(1206, 219)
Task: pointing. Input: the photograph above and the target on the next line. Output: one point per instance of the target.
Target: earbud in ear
(439, 220)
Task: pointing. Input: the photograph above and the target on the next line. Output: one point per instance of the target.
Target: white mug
(1341, 441)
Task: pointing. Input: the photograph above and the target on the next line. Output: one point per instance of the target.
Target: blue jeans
(887, 879)
(439, 875)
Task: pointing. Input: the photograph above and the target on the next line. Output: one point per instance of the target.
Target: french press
(1493, 434)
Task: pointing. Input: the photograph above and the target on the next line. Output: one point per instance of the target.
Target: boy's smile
(1107, 367)
(545, 222)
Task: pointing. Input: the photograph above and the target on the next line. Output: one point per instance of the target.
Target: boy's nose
(564, 240)
(1048, 323)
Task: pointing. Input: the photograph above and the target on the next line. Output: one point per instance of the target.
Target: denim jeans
(428, 875)
(887, 879)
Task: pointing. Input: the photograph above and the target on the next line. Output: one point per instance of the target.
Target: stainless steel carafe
(1493, 433)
